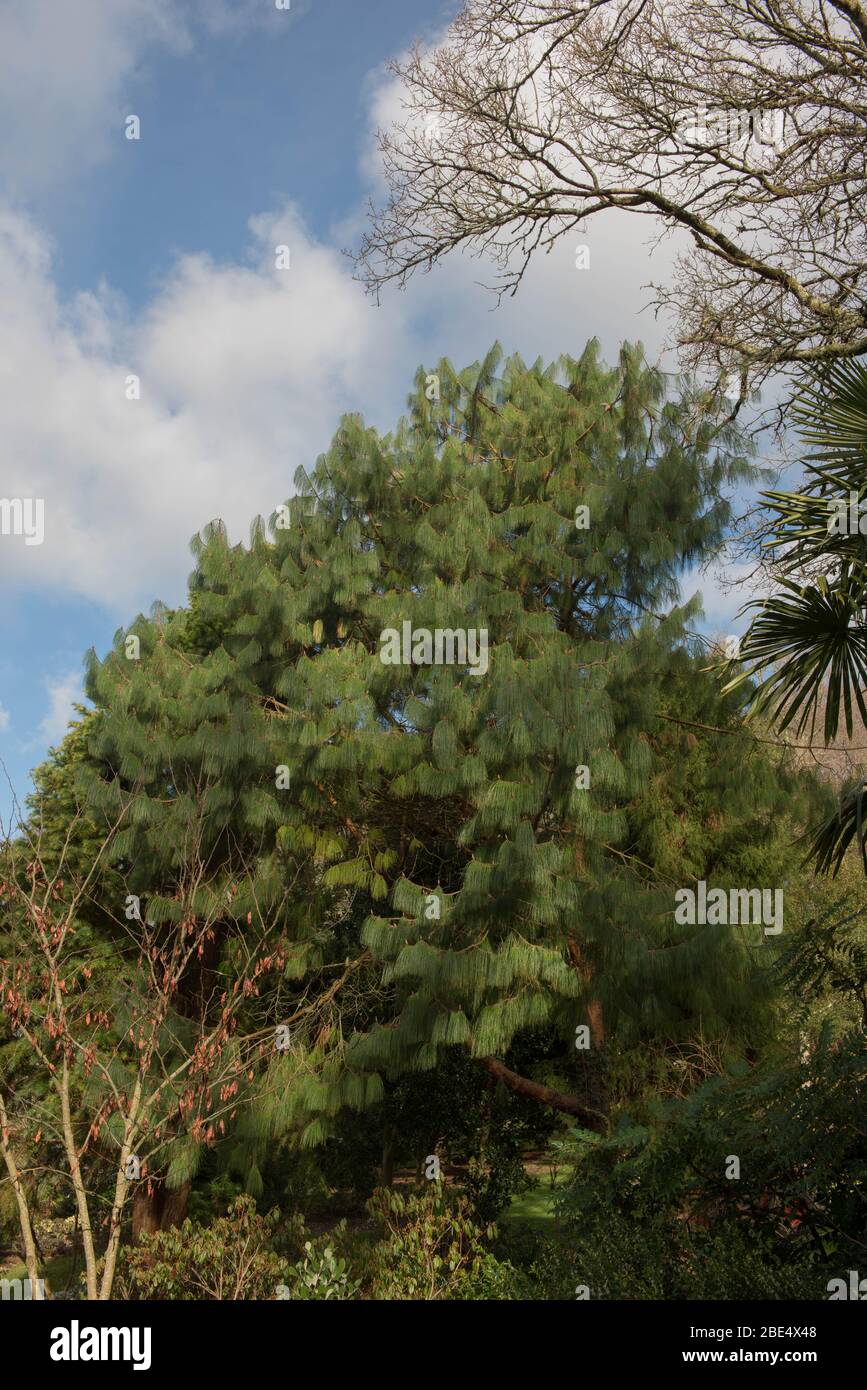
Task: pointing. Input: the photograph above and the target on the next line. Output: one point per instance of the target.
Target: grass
(534, 1206)
(57, 1272)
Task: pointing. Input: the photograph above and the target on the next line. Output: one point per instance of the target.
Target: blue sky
(156, 257)
(240, 120)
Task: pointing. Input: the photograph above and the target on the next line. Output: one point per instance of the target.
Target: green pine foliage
(425, 859)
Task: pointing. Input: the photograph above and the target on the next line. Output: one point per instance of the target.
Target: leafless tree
(739, 122)
(114, 1064)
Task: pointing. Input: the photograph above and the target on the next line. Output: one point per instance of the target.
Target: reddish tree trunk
(158, 1209)
(596, 1090)
(534, 1090)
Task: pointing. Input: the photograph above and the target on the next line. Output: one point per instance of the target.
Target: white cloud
(71, 73)
(63, 693)
(244, 370)
(64, 70)
(4, 719)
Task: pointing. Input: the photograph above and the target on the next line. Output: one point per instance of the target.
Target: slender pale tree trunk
(31, 1258)
(78, 1186)
(121, 1188)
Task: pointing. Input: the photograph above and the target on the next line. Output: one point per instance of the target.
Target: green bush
(493, 1183)
(651, 1211)
(322, 1274)
(230, 1259)
(430, 1247)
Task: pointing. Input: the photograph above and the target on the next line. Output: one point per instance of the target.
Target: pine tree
(449, 848)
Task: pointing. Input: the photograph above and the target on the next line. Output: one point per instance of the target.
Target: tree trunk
(121, 1189)
(31, 1259)
(159, 1208)
(61, 1086)
(387, 1173)
(596, 1086)
(534, 1090)
(598, 1097)
(485, 1132)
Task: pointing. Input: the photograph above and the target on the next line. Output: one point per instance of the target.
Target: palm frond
(812, 650)
(828, 843)
(831, 414)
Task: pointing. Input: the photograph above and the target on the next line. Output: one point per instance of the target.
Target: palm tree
(806, 647)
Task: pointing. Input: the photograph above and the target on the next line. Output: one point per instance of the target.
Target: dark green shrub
(430, 1247)
(230, 1259)
(657, 1210)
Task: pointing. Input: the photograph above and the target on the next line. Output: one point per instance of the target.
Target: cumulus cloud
(71, 73)
(64, 692)
(63, 71)
(242, 369)
(4, 719)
